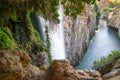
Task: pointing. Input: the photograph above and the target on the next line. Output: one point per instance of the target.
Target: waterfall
(41, 23)
(56, 35)
(57, 38)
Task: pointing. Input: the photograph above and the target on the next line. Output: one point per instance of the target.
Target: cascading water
(41, 23)
(57, 38)
(56, 35)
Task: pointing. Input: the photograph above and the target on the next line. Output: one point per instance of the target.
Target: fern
(5, 41)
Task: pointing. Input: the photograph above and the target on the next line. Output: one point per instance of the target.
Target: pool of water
(105, 40)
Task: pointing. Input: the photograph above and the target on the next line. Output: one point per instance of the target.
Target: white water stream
(56, 36)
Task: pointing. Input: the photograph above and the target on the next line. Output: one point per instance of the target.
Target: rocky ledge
(62, 70)
(114, 74)
(16, 66)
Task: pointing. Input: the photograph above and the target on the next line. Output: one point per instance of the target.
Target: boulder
(16, 66)
(62, 70)
(117, 64)
(114, 74)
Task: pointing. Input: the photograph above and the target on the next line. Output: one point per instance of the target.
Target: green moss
(5, 41)
(48, 44)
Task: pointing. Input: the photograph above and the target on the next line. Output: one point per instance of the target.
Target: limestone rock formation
(114, 19)
(78, 33)
(16, 66)
(62, 70)
(114, 74)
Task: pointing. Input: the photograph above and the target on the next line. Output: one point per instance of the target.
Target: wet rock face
(62, 70)
(77, 34)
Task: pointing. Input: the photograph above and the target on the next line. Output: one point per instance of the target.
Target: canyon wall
(114, 19)
(78, 33)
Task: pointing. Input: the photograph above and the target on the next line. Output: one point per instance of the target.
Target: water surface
(105, 40)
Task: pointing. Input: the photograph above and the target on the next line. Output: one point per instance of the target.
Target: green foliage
(17, 9)
(48, 43)
(15, 16)
(97, 10)
(8, 32)
(34, 44)
(106, 60)
(5, 41)
(75, 7)
(107, 10)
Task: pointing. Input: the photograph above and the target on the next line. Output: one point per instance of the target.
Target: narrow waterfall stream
(105, 40)
(57, 38)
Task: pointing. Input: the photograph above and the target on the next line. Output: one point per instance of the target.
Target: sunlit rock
(16, 66)
(62, 70)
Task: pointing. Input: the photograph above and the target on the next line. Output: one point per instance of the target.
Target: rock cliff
(114, 73)
(114, 19)
(16, 66)
(62, 70)
(78, 33)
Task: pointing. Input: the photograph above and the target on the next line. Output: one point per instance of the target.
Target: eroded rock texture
(78, 33)
(114, 19)
(16, 66)
(114, 74)
(62, 70)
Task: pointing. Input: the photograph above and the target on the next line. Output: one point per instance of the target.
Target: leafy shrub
(106, 60)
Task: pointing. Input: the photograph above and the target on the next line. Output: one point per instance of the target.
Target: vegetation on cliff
(98, 14)
(75, 7)
(105, 64)
(18, 29)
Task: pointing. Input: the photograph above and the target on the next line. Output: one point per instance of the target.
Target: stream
(105, 40)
